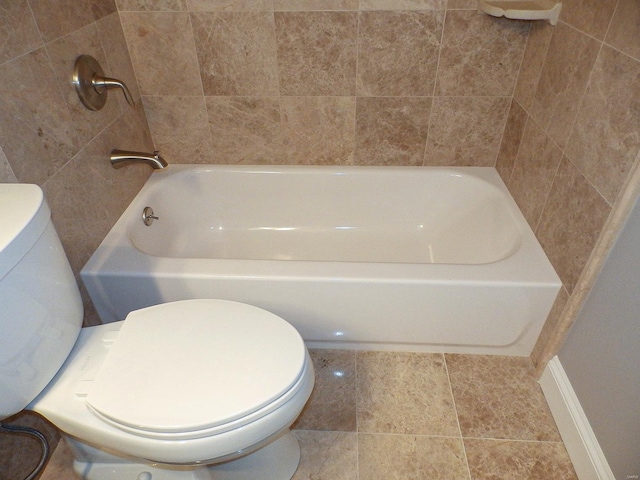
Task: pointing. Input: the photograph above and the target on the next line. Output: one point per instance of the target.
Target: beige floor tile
(400, 396)
(498, 397)
(327, 456)
(60, 465)
(408, 393)
(407, 457)
(332, 405)
(499, 459)
(18, 466)
(27, 447)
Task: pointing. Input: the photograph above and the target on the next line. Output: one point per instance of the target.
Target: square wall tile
(571, 222)
(162, 50)
(480, 55)
(533, 173)
(117, 54)
(19, 33)
(511, 139)
(398, 52)
(89, 177)
(563, 80)
(180, 127)
(391, 131)
(63, 53)
(317, 52)
(532, 62)
(606, 137)
(57, 18)
(318, 130)
(466, 131)
(236, 52)
(103, 8)
(624, 32)
(589, 16)
(246, 130)
(36, 130)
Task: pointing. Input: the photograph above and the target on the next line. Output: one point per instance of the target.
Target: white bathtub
(421, 259)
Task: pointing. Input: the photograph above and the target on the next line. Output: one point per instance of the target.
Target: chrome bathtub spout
(120, 158)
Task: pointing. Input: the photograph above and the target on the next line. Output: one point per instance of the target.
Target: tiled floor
(389, 415)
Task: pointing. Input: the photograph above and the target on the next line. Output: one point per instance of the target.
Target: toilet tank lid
(24, 215)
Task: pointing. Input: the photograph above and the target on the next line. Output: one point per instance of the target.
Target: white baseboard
(586, 455)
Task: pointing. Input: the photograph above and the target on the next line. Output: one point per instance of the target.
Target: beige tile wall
(48, 138)
(573, 136)
(339, 82)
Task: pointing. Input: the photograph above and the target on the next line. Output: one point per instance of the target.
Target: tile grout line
(434, 92)
(455, 409)
(514, 440)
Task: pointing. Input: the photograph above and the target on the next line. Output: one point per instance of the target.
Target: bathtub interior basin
(337, 217)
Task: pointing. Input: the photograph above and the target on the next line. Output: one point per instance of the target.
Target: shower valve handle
(101, 84)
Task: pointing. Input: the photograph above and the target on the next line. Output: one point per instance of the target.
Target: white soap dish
(522, 9)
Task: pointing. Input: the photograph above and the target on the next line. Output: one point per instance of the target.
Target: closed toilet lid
(196, 364)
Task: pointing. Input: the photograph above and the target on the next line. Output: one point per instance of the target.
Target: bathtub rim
(516, 268)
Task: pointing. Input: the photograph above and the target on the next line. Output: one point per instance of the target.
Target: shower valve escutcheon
(92, 86)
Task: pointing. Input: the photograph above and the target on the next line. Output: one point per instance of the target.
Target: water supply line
(43, 443)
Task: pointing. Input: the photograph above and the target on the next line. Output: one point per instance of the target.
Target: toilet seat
(163, 377)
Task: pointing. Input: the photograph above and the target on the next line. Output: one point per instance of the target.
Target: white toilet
(197, 389)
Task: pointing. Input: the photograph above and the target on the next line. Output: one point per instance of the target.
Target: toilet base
(276, 461)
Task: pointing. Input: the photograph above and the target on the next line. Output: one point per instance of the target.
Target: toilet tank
(40, 305)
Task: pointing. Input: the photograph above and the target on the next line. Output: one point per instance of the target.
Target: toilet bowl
(195, 389)
(187, 383)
